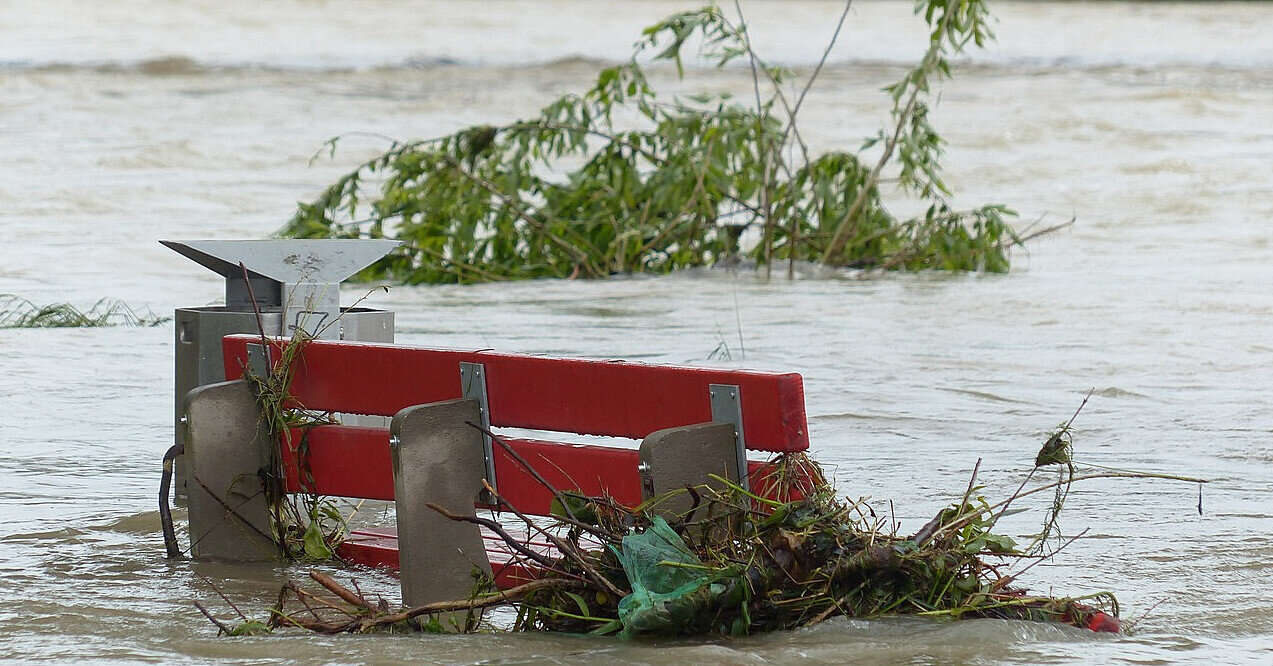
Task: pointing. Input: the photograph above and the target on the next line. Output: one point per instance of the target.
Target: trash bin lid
(289, 261)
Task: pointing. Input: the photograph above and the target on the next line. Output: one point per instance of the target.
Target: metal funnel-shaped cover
(289, 261)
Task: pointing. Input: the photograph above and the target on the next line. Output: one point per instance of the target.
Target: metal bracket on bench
(258, 360)
(473, 385)
(727, 407)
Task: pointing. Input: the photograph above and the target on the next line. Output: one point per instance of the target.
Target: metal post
(473, 385)
(727, 407)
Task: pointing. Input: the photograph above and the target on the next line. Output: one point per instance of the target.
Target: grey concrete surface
(438, 458)
(227, 444)
(677, 457)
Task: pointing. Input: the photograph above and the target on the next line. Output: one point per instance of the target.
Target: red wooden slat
(349, 461)
(591, 470)
(344, 461)
(378, 548)
(570, 395)
(371, 548)
(362, 378)
(624, 399)
(511, 574)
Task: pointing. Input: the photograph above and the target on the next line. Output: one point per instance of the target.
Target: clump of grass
(306, 525)
(18, 312)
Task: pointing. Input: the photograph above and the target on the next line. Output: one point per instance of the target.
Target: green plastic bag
(665, 597)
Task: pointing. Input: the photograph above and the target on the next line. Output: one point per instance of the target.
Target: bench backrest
(609, 398)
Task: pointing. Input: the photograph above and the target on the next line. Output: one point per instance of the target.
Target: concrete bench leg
(679, 457)
(438, 458)
(227, 445)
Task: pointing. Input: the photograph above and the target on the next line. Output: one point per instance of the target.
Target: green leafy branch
(617, 179)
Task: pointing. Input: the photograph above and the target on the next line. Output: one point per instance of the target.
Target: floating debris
(734, 563)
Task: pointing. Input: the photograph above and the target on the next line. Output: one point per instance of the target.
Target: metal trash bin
(295, 284)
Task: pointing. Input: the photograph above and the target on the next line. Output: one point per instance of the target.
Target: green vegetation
(620, 179)
(306, 526)
(18, 312)
(734, 563)
(718, 559)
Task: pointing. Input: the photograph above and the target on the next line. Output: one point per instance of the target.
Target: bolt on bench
(692, 422)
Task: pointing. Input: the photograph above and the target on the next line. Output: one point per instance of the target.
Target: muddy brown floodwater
(1152, 123)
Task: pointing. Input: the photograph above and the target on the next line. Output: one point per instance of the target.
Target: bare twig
(498, 530)
(341, 591)
(1059, 548)
(849, 222)
(972, 482)
(567, 549)
(570, 517)
(1031, 235)
(495, 599)
(343, 611)
(1131, 626)
(960, 520)
(276, 613)
(256, 308)
(232, 511)
(221, 628)
(224, 598)
(835, 37)
(933, 526)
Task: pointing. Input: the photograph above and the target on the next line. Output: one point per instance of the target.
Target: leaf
(251, 628)
(582, 509)
(583, 605)
(996, 543)
(613, 626)
(315, 544)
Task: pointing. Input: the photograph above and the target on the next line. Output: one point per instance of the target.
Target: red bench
(588, 397)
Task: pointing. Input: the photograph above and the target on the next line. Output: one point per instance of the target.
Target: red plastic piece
(1104, 622)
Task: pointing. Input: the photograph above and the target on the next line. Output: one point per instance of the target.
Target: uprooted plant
(620, 179)
(306, 525)
(739, 562)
